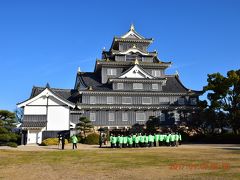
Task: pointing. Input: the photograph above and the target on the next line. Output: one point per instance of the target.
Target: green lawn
(148, 163)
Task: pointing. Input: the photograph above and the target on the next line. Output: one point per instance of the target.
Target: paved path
(92, 147)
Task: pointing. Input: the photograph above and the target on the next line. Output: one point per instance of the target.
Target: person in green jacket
(167, 139)
(125, 141)
(130, 141)
(141, 138)
(114, 141)
(161, 139)
(120, 141)
(151, 140)
(146, 140)
(137, 141)
(74, 141)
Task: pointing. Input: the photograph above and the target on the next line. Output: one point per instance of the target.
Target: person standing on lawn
(74, 141)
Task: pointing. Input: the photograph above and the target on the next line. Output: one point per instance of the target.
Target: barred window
(126, 100)
(156, 73)
(111, 116)
(154, 86)
(164, 100)
(146, 100)
(92, 100)
(181, 101)
(124, 116)
(92, 116)
(140, 116)
(137, 86)
(119, 85)
(109, 100)
(111, 72)
(193, 101)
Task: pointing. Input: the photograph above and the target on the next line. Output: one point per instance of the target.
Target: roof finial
(47, 85)
(136, 61)
(132, 28)
(176, 73)
(79, 70)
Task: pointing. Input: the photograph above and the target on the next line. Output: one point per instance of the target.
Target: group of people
(145, 140)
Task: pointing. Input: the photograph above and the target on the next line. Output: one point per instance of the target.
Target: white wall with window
(120, 86)
(146, 100)
(92, 116)
(93, 100)
(111, 71)
(155, 87)
(156, 73)
(140, 116)
(110, 100)
(111, 116)
(164, 100)
(137, 86)
(125, 116)
(126, 100)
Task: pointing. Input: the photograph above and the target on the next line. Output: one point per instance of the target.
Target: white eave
(46, 93)
(136, 72)
(134, 50)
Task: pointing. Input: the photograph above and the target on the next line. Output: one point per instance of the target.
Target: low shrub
(92, 139)
(51, 141)
(11, 144)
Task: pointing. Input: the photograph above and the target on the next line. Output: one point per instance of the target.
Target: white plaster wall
(40, 101)
(35, 110)
(58, 118)
(34, 136)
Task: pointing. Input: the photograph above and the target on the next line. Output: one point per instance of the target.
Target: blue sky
(45, 41)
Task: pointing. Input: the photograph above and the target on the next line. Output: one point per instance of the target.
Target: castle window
(124, 116)
(156, 73)
(193, 101)
(126, 100)
(140, 116)
(92, 116)
(119, 85)
(93, 100)
(146, 100)
(164, 100)
(112, 72)
(109, 100)
(181, 101)
(137, 86)
(111, 116)
(154, 86)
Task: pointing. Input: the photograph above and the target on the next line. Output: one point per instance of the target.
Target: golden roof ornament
(90, 88)
(136, 61)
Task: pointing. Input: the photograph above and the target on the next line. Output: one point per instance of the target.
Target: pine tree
(84, 125)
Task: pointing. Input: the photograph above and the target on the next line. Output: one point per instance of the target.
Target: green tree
(224, 96)
(84, 125)
(7, 123)
(152, 124)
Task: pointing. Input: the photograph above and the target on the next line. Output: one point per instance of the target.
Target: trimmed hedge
(51, 141)
(92, 139)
